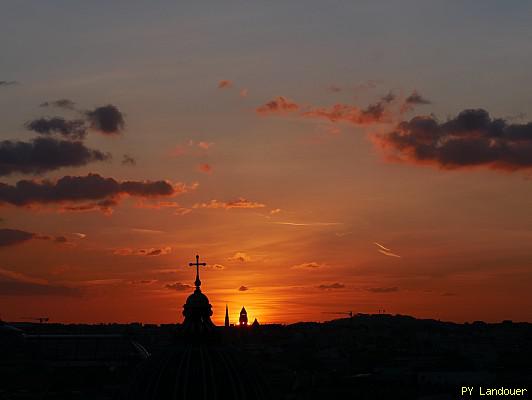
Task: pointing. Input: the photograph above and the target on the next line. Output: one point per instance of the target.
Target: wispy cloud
(381, 246)
(240, 256)
(178, 286)
(331, 286)
(383, 289)
(389, 253)
(128, 160)
(151, 251)
(18, 284)
(386, 251)
(8, 83)
(308, 266)
(279, 105)
(240, 203)
(307, 223)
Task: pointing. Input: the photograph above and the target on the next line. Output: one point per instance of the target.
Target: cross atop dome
(197, 264)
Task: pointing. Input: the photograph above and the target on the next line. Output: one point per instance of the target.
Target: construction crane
(40, 319)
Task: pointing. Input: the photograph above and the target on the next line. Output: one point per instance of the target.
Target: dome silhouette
(198, 366)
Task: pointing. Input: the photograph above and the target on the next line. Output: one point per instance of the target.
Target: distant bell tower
(226, 317)
(243, 320)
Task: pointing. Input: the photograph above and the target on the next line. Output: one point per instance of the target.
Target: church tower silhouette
(226, 317)
(243, 317)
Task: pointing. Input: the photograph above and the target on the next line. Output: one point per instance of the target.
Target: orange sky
(327, 165)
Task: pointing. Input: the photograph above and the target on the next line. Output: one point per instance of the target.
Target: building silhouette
(243, 320)
(199, 365)
(226, 317)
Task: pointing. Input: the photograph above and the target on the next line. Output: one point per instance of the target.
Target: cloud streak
(178, 287)
(8, 83)
(309, 266)
(17, 284)
(240, 203)
(331, 286)
(10, 237)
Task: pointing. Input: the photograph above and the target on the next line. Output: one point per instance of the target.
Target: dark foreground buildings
(364, 357)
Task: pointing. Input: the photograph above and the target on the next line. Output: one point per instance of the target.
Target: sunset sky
(321, 157)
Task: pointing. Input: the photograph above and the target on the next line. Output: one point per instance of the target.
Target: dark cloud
(92, 189)
(60, 239)
(10, 237)
(16, 288)
(45, 154)
(373, 114)
(106, 119)
(389, 98)
(73, 129)
(279, 105)
(128, 160)
(470, 139)
(105, 206)
(243, 288)
(383, 289)
(178, 286)
(331, 286)
(8, 83)
(416, 98)
(17, 284)
(61, 103)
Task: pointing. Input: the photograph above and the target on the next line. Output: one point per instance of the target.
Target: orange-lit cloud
(279, 105)
(373, 114)
(152, 251)
(243, 288)
(224, 83)
(389, 254)
(309, 266)
(178, 286)
(206, 168)
(244, 92)
(205, 145)
(240, 257)
(307, 223)
(240, 203)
